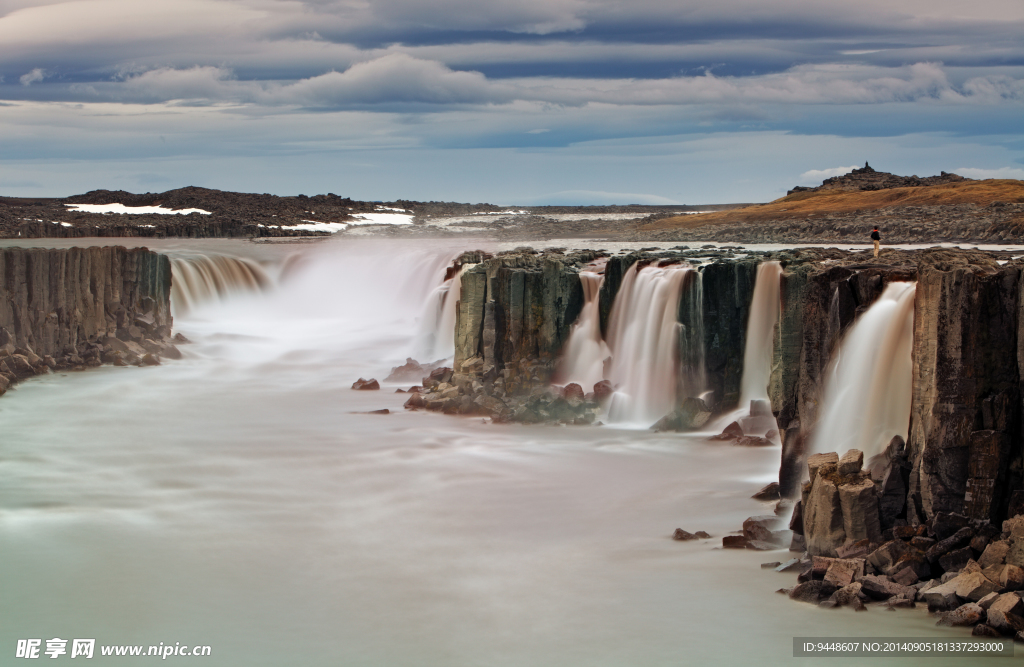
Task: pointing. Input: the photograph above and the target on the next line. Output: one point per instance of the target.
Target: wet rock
(809, 591)
(851, 462)
(691, 415)
(982, 630)
(960, 538)
(769, 492)
(955, 560)
(849, 596)
(816, 461)
(823, 517)
(603, 391)
(365, 385)
(760, 528)
(410, 371)
(573, 392)
(1007, 603)
(753, 441)
(974, 586)
(734, 542)
(859, 503)
(770, 566)
(415, 401)
(788, 565)
(842, 572)
(964, 615)
(732, 432)
(682, 535)
(1006, 623)
(881, 588)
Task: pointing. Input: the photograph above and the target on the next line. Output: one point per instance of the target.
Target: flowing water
(868, 384)
(242, 498)
(585, 353)
(643, 336)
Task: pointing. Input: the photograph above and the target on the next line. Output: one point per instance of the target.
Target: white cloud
(1001, 172)
(35, 76)
(817, 175)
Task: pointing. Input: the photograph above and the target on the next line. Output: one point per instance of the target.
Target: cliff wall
(78, 307)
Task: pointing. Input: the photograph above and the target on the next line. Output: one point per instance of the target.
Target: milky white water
(585, 352)
(868, 383)
(237, 498)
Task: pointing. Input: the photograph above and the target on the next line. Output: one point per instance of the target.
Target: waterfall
(585, 352)
(867, 391)
(692, 367)
(436, 337)
(764, 316)
(643, 335)
(202, 278)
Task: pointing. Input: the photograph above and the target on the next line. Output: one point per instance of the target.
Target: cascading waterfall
(764, 316)
(585, 352)
(201, 278)
(867, 396)
(692, 366)
(643, 335)
(436, 337)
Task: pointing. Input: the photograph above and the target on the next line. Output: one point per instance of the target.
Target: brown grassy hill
(805, 205)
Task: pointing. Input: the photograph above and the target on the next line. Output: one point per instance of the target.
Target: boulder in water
(603, 391)
(573, 392)
(731, 432)
(683, 535)
(753, 441)
(770, 492)
(692, 414)
(365, 385)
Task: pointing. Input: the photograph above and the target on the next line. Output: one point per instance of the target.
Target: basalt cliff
(81, 307)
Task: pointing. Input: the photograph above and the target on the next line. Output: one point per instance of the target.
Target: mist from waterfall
(585, 352)
(867, 393)
(643, 336)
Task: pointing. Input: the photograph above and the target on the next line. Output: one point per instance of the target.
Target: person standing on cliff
(877, 239)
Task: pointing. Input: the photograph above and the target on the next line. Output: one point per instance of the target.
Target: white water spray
(585, 352)
(643, 335)
(436, 338)
(867, 392)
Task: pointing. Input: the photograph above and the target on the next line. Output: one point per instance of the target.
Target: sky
(510, 102)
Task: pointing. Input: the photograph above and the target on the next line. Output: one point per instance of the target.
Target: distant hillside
(981, 211)
(866, 179)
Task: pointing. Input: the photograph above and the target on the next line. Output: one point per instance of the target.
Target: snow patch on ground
(382, 219)
(121, 208)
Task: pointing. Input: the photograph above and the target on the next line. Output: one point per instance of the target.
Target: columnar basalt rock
(81, 307)
(966, 385)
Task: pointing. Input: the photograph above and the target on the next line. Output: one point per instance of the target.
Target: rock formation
(867, 178)
(76, 307)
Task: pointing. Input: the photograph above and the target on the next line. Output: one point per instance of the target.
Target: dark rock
(770, 566)
(732, 432)
(760, 527)
(603, 390)
(1006, 623)
(881, 588)
(956, 559)
(691, 415)
(365, 385)
(682, 535)
(788, 565)
(734, 542)
(947, 524)
(753, 441)
(573, 392)
(982, 630)
(960, 538)
(796, 521)
(415, 401)
(769, 492)
(851, 462)
(809, 591)
(964, 615)
(702, 535)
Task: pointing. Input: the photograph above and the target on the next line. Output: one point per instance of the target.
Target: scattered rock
(968, 614)
(365, 385)
(769, 492)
